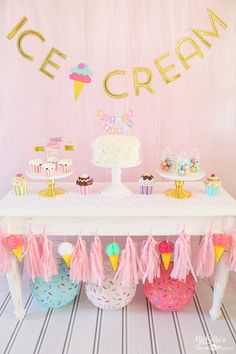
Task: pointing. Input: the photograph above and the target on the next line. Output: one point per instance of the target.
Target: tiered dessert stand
(178, 192)
(116, 188)
(51, 191)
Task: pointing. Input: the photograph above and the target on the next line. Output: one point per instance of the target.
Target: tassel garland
(150, 261)
(79, 265)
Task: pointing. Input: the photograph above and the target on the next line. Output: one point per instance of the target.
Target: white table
(69, 213)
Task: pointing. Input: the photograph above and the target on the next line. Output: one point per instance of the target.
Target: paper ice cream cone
(218, 252)
(18, 253)
(166, 259)
(67, 259)
(78, 87)
(114, 261)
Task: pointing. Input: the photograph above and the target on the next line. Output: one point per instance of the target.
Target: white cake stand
(51, 191)
(116, 188)
(179, 192)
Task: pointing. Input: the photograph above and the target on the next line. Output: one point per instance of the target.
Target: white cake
(116, 150)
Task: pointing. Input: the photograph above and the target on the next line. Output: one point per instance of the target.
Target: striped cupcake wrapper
(20, 191)
(84, 190)
(146, 190)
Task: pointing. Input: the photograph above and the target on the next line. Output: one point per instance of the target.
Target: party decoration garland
(96, 262)
(205, 257)
(48, 259)
(80, 267)
(115, 124)
(5, 257)
(33, 260)
(81, 75)
(220, 242)
(166, 249)
(163, 68)
(15, 244)
(149, 260)
(66, 250)
(113, 251)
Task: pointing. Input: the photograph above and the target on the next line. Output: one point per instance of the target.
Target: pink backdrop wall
(198, 109)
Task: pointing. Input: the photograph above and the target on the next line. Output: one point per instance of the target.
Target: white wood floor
(81, 328)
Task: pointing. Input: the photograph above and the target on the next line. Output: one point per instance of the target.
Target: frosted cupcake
(49, 169)
(54, 161)
(19, 184)
(36, 165)
(65, 165)
(146, 183)
(85, 184)
(213, 184)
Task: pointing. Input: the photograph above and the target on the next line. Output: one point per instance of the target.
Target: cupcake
(54, 161)
(146, 183)
(19, 184)
(213, 184)
(49, 169)
(85, 184)
(65, 165)
(36, 165)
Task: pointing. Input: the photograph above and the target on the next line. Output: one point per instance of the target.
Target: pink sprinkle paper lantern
(167, 294)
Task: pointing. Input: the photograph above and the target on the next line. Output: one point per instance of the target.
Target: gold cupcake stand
(178, 192)
(51, 191)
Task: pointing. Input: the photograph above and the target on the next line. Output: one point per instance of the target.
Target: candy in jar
(195, 161)
(167, 160)
(182, 164)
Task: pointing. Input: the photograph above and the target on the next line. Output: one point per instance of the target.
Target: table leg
(14, 283)
(220, 283)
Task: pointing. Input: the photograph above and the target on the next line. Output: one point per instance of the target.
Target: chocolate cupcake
(85, 184)
(146, 183)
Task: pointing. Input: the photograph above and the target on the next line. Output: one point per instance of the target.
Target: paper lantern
(169, 294)
(58, 292)
(110, 295)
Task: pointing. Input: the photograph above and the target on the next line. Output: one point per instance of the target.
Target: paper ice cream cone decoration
(15, 243)
(65, 250)
(166, 249)
(218, 252)
(113, 252)
(81, 76)
(220, 242)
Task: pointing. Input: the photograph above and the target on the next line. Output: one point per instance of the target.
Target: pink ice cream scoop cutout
(81, 75)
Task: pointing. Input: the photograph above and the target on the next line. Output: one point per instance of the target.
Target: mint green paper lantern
(60, 291)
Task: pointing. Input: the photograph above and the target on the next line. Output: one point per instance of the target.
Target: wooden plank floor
(81, 328)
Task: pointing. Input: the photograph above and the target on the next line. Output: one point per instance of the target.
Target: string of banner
(142, 76)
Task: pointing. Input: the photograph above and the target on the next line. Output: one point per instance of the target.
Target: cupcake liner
(50, 173)
(20, 190)
(36, 168)
(210, 190)
(145, 190)
(65, 169)
(84, 190)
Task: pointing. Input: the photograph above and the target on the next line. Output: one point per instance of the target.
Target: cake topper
(115, 124)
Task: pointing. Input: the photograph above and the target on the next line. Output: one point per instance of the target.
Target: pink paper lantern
(167, 294)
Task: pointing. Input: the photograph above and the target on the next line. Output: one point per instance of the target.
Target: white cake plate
(179, 192)
(51, 191)
(116, 189)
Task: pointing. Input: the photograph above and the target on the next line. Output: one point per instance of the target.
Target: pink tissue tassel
(182, 258)
(231, 261)
(96, 262)
(149, 260)
(33, 256)
(127, 273)
(79, 265)
(5, 256)
(48, 259)
(205, 259)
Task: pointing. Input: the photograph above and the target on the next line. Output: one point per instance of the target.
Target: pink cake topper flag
(5, 256)
(149, 260)
(182, 258)
(128, 271)
(33, 256)
(48, 259)
(96, 262)
(81, 75)
(79, 265)
(205, 259)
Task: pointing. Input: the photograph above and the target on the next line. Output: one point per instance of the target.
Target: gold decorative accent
(164, 70)
(48, 61)
(145, 84)
(20, 40)
(51, 191)
(178, 192)
(17, 28)
(107, 88)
